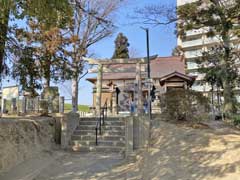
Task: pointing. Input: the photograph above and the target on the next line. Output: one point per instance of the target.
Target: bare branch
(157, 14)
(95, 14)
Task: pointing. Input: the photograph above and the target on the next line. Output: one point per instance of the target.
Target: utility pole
(149, 74)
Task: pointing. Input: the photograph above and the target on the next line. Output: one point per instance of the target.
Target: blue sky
(162, 41)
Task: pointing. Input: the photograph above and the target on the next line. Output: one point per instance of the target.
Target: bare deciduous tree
(93, 21)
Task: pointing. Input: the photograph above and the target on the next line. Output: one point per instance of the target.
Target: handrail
(101, 120)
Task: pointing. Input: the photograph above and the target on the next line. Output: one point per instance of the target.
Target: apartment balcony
(200, 42)
(200, 77)
(195, 32)
(204, 42)
(193, 43)
(192, 65)
(193, 54)
(182, 2)
(201, 88)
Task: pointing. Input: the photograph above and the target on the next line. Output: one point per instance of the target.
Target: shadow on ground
(181, 153)
(89, 167)
(176, 152)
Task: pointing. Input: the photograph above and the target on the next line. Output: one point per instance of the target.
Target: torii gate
(101, 69)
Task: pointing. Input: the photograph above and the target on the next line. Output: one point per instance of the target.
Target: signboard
(10, 92)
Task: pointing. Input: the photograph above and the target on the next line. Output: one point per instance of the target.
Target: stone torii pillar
(138, 95)
(99, 89)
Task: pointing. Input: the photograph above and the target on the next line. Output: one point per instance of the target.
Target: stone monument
(50, 100)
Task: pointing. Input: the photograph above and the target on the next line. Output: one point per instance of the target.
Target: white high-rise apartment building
(193, 45)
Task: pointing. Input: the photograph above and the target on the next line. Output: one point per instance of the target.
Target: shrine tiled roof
(160, 67)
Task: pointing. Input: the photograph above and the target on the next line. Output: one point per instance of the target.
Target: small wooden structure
(176, 80)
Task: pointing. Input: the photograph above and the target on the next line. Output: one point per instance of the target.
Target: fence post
(50, 104)
(24, 105)
(14, 105)
(61, 104)
(37, 101)
(4, 104)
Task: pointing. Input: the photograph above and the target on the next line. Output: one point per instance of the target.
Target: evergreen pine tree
(121, 47)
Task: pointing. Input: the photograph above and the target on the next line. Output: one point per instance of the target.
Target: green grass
(83, 108)
(67, 106)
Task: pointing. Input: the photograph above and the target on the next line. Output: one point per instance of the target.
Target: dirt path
(182, 153)
(176, 153)
(29, 169)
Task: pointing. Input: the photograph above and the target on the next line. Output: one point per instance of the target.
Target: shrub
(236, 120)
(183, 104)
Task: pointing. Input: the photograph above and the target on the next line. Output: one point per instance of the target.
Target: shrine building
(118, 87)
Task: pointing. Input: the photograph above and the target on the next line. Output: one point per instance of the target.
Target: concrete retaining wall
(141, 132)
(69, 123)
(137, 133)
(22, 138)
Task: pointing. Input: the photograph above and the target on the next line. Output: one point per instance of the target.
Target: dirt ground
(177, 152)
(183, 153)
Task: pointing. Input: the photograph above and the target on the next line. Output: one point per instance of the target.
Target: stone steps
(83, 137)
(86, 127)
(112, 139)
(84, 132)
(101, 149)
(93, 131)
(120, 144)
(113, 128)
(106, 123)
(95, 119)
(100, 137)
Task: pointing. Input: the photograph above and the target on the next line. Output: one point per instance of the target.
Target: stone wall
(22, 138)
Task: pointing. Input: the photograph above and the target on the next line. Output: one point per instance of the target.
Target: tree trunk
(3, 33)
(228, 94)
(75, 81)
(47, 73)
(75, 94)
(218, 99)
(47, 83)
(212, 95)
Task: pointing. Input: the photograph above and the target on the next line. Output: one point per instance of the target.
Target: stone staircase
(112, 139)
